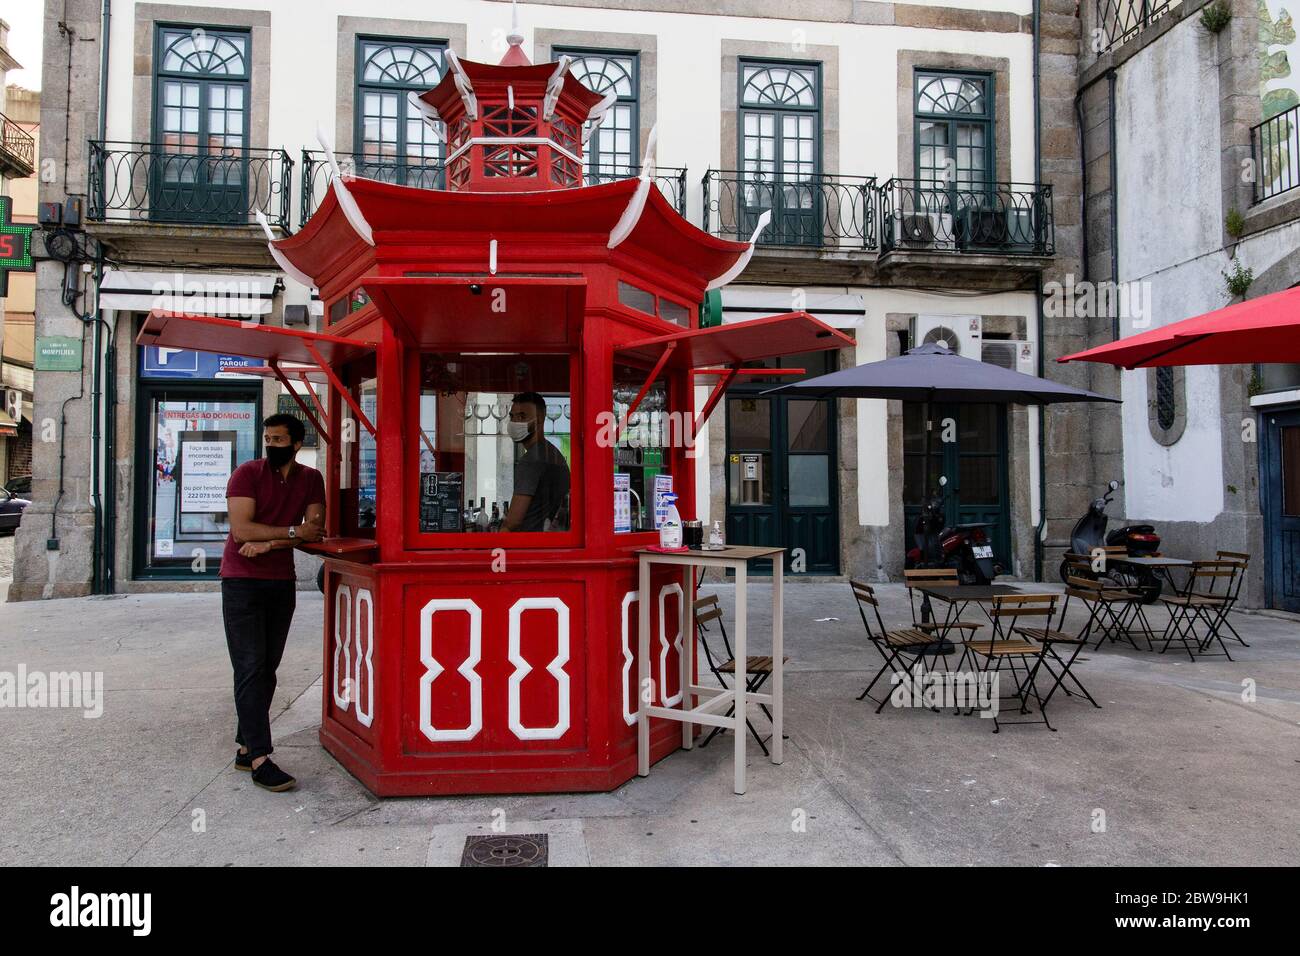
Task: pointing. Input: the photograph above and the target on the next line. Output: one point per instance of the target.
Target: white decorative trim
(342, 645)
(629, 712)
(663, 644)
(514, 140)
(636, 205)
(463, 85)
(347, 202)
(427, 112)
(367, 716)
(554, 86)
(745, 256)
(287, 267)
(466, 669)
(555, 667)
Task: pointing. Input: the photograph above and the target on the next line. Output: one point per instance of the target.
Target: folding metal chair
(934, 577)
(1234, 591)
(906, 647)
(1010, 644)
(1115, 612)
(757, 669)
(1206, 605)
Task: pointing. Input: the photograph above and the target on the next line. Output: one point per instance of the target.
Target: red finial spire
(515, 55)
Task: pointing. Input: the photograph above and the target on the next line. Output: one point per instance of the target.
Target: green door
(782, 475)
(974, 462)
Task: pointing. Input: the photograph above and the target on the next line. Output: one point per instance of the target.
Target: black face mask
(279, 455)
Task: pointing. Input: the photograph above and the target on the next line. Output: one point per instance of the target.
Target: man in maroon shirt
(275, 504)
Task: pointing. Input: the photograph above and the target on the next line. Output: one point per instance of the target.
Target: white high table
(716, 700)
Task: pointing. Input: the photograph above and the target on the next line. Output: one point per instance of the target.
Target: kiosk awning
(787, 334)
(206, 293)
(729, 346)
(207, 333)
(458, 313)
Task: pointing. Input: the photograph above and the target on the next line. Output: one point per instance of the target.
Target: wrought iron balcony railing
(814, 211)
(989, 218)
(430, 174)
(317, 174)
(1121, 20)
(1275, 146)
(671, 181)
(17, 149)
(188, 184)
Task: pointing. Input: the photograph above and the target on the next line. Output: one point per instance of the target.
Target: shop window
(495, 452)
(643, 449)
(359, 462)
(195, 437)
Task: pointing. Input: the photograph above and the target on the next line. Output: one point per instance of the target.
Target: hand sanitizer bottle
(670, 532)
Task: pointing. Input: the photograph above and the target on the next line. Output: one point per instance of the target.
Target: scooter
(964, 547)
(1139, 540)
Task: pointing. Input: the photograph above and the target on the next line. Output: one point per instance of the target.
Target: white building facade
(919, 159)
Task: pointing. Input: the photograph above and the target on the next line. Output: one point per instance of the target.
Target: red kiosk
(459, 658)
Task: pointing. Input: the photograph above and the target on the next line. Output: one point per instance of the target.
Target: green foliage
(1235, 223)
(1215, 16)
(1239, 279)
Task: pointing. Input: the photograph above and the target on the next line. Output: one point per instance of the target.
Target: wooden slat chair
(903, 648)
(757, 669)
(935, 577)
(1115, 612)
(1010, 643)
(1243, 561)
(1204, 602)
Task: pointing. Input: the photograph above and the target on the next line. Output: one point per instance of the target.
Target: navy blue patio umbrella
(933, 373)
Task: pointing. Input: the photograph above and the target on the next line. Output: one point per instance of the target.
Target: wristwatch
(293, 531)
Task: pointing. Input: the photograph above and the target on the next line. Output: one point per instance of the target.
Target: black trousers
(257, 614)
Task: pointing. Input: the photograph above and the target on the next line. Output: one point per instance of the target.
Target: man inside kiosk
(541, 475)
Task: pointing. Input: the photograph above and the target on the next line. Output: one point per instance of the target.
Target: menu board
(441, 494)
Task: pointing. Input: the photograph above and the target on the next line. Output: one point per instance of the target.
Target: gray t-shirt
(541, 473)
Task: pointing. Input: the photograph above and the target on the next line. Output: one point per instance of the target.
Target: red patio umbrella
(1265, 330)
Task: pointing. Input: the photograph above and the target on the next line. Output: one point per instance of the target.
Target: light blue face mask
(518, 431)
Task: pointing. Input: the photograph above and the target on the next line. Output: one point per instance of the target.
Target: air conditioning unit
(1015, 354)
(961, 333)
(916, 231)
(980, 228)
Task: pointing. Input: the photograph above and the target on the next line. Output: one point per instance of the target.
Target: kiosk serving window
(359, 454)
(643, 451)
(495, 452)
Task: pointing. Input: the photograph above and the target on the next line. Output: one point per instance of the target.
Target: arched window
(200, 120)
(954, 129)
(780, 149)
(1166, 401)
(393, 142)
(613, 152)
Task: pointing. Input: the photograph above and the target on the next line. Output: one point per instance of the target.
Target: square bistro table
(958, 596)
(711, 712)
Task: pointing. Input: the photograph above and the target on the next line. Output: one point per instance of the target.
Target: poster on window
(206, 464)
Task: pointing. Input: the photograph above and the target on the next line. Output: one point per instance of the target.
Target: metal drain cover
(515, 849)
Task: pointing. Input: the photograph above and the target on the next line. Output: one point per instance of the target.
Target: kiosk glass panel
(495, 453)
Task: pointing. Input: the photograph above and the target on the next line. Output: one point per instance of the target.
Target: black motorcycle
(1138, 540)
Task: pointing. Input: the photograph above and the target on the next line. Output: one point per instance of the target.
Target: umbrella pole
(927, 557)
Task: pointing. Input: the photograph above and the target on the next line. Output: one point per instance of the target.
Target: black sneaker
(270, 777)
(243, 761)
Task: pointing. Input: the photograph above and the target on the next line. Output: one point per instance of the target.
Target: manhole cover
(515, 849)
